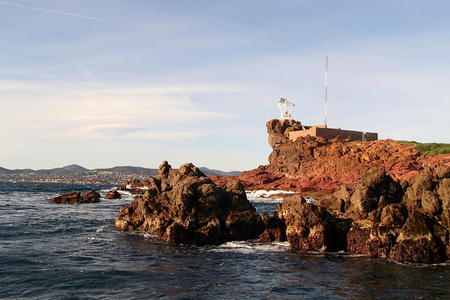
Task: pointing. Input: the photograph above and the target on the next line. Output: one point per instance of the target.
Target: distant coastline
(78, 174)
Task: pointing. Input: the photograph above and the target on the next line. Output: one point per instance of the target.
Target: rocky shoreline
(378, 217)
(381, 198)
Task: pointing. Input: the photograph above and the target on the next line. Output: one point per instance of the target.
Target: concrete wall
(329, 133)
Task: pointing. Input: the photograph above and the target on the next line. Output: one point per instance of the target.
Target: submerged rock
(76, 198)
(183, 206)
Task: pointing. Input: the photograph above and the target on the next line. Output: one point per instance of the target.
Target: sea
(52, 251)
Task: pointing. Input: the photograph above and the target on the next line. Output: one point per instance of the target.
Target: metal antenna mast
(326, 91)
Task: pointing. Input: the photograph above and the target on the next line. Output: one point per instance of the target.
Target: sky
(103, 83)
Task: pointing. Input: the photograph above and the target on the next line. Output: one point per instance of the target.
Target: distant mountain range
(76, 169)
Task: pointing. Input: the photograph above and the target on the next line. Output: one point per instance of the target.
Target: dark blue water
(50, 251)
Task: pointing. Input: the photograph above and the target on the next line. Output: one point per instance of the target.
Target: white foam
(246, 247)
(263, 196)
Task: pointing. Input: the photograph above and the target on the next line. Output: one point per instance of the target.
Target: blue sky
(103, 83)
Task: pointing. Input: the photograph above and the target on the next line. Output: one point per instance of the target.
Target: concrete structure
(329, 133)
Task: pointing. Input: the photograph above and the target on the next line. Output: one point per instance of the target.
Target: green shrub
(430, 148)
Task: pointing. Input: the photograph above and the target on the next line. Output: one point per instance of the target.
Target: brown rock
(413, 196)
(366, 238)
(91, 197)
(393, 215)
(183, 206)
(308, 227)
(416, 242)
(443, 191)
(375, 190)
(357, 240)
(275, 229)
(114, 194)
(76, 198)
(430, 203)
(71, 198)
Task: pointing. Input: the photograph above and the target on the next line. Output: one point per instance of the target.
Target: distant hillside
(212, 172)
(129, 170)
(66, 170)
(5, 171)
(430, 148)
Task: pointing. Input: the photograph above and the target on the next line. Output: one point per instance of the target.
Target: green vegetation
(430, 148)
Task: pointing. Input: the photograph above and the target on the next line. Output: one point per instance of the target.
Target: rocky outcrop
(378, 217)
(183, 206)
(309, 227)
(76, 198)
(114, 194)
(314, 163)
(374, 191)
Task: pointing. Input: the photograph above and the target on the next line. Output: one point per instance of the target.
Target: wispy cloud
(86, 110)
(51, 11)
(129, 131)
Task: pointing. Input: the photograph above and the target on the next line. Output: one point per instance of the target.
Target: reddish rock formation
(184, 206)
(313, 163)
(114, 194)
(77, 198)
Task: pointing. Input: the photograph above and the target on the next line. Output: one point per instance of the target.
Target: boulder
(91, 197)
(366, 237)
(275, 229)
(417, 242)
(375, 190)
(183, 206)
(384, 219)
(76, 198)
(308, 227)
(114, 194)
(393, 215)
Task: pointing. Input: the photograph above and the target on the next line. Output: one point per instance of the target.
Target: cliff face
(315, 163)
(337, 160)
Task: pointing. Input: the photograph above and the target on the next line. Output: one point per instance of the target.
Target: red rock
(313, 163)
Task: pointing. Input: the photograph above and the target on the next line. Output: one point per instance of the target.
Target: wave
(264, 196)
(248, 247)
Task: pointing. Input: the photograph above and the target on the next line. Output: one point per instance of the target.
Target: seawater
(50, 251)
